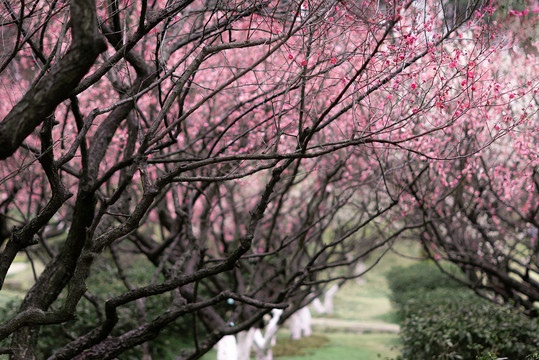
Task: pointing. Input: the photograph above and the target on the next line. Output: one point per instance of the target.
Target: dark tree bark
(55, 87)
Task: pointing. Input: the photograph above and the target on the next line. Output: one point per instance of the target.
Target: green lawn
(370, 301)
(352, 346)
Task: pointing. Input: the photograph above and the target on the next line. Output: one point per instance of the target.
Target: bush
(406, 282)
(439, 322)
(492, 356)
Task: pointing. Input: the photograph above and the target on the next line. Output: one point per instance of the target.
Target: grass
(369, 301)
(287, 347)
(350, 346)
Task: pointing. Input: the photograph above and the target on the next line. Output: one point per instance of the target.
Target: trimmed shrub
(406, 282)
(439, 322)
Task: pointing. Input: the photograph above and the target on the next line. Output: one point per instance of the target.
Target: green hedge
(442, 320)
(406, 282)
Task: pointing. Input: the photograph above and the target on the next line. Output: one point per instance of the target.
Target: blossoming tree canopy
(481, 212)
(253, 151)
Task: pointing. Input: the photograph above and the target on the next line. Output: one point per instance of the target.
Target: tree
(481, 212)
(485, 218)
(217, 159)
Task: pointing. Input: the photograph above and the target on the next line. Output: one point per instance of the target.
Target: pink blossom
(333, 60)
(413, 86)
(304, 63)
(290, 56)
(410, 39)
